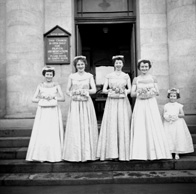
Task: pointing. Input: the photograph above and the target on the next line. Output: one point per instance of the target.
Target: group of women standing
(123, 135)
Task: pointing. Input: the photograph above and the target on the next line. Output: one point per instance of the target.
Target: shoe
(177, 157)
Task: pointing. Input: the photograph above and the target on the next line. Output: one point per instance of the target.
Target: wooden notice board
(57, 46)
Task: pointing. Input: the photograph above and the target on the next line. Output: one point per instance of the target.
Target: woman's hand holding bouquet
(80, 94)
(117, 92)
(145, 93)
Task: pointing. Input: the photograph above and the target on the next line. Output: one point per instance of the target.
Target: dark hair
(144, 61)
(80, 59)
(48, 70)
(118, 58)
(173, 91)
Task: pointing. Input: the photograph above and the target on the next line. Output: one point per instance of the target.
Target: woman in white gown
(46, 140)
(114, 135)
(81, 135)
(148, 137)
(179, 137)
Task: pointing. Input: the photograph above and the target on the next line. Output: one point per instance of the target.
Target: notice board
(57, 46)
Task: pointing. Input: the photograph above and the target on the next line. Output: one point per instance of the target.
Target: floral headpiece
(173, 90)
(117, 56)
(47, 68)
(79, 57)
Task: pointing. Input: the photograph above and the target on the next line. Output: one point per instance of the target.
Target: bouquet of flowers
(117, 92)
(80, 94)
(170, 118)
(145, 93)
(47, 101)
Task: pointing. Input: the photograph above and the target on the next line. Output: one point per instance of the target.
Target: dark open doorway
(99, 42)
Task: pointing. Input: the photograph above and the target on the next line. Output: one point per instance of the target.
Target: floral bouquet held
(170, 118)
(80, 95)
(145, 93)
(117, 92)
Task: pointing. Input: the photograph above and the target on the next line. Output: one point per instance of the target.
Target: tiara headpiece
(117, 56)
(47, 68)
(79, 57)
(173, 90)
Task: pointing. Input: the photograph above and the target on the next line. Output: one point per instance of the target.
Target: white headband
(47, 68)
(79, 57)
(118, 56)
(173, 90)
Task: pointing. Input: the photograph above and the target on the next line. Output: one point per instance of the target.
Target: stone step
(20, 152)
(22, 166)
(13, 153)
(12, 142)
(89, 178)
(21, 132)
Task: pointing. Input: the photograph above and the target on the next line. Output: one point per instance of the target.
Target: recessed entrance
(99, 42)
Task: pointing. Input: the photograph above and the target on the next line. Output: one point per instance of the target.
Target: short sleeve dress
(179, 137)
(81, 135)
(46, 142)
(148, 137)
(114, 135)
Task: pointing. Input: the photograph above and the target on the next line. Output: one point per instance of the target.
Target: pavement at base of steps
(187, 188)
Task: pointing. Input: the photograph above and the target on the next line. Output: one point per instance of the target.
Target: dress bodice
(147, 82)
(48, 90)
(173, 108)
(117, 80)
(80, 82)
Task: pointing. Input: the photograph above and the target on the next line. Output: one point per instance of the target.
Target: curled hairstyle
(83, 59)
(144, 61)
(173, 91)
(48, 69)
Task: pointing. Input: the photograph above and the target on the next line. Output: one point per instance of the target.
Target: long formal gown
(148, 137)
(46, 140)
(179, 137)
(81, 135)
(114, 135)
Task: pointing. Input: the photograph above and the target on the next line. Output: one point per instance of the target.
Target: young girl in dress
(148, 138)
(46, 141)
(180, 140)
(81, 133)
(114, 135)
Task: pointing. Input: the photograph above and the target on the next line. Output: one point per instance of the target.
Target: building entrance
(99, 42)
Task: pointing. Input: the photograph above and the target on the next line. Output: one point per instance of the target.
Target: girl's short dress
(179, 137)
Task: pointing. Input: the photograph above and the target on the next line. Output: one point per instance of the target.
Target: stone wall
(152, 42)
(181, 24)
(2, 58)
(26, 22)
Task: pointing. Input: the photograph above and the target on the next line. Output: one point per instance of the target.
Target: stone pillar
(24, 42)
(2, 58)
(181, 16)
(61, 13)
(152, 42)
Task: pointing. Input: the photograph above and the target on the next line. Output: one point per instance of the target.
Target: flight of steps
(14, 170)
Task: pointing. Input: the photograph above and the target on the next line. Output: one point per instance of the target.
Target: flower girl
(179, 137)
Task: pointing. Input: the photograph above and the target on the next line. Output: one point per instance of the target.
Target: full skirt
(148, 137)
(114, 135)
(81, 133)
(179, 137)
(46, 141)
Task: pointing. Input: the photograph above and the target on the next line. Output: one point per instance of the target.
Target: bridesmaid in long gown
(114, 136)
(46, 141)
(81, 135)
(148, 138)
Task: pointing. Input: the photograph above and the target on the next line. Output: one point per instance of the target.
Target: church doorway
(99, 42)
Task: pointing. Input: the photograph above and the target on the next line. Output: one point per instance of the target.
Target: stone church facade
(163, 31)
